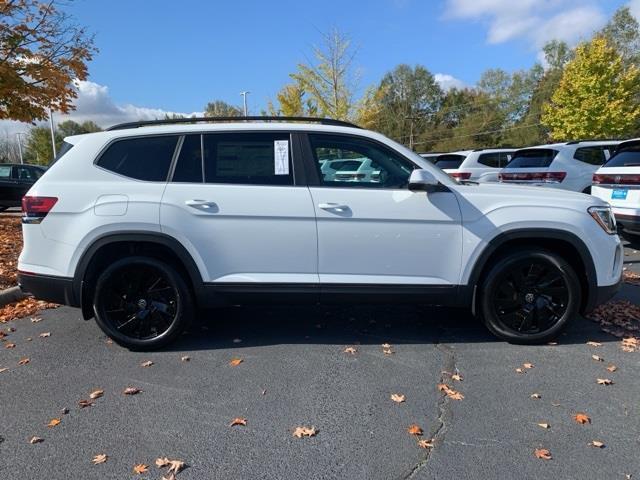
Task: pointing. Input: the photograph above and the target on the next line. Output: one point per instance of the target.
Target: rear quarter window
(534, 158)
(142, 158)
(592, 155)
(625, 158)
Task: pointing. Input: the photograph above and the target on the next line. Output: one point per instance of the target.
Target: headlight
(605, 218)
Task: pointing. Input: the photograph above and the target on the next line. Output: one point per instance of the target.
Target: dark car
(15, 180)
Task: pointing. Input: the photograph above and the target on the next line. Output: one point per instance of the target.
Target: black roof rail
(145, 123)
(503, 147)
(575, 142)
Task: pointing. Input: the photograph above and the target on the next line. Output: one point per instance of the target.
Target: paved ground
(294, 372)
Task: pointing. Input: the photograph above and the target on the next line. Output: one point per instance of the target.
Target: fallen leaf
(597, 358)
(131, 391)
(171, 476)
(140, 468)
(85, 403)
(45, 334)
(457, 377)
(23, 361)
(238, 421)
(64, 411)
(36, 319)
(304, 432)
(542, 453)
(425, 443)
(544, 425)
(34, 440)
(397, 397)
(3, 369)
(604, 381)
(11, 329)
(582, 418)
(415, 430)
(53, 423)
(175, 466)
(536, 395)
(519, 370)
(10, 345)
(185, 358)
(594, 344)
(162, 462)
(612, 368)
(387, 351)
(386, 345)
(148, 363)
(596, 443)
(96, 394)
(528, 365)
(450, 392)
(351, 350)
(235, 362)
(98, 459)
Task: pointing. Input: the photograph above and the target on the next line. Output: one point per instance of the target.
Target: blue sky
(163, 55)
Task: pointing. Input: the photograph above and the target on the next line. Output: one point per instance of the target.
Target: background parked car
(618, 182)
(569, 166)
(15, 181)
(481, 165)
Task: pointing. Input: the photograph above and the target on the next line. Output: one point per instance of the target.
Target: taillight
(34, 209)
(540, 177)
(613, 179)
(460, 175)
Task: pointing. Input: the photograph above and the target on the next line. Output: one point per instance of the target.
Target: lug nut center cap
(142, 303)
(529, 297)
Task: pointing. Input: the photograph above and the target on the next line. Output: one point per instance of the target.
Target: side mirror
(422, 181)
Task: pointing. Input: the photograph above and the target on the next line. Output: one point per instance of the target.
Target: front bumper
(49, 288)
(602, 295)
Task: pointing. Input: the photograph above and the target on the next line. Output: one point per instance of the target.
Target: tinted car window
(369, 166)
(625, 158)
(26, 173)
(592, 155)
(5, 171)
(146, 158)
(534, 158)
(495, 159)
(64, 148)
(248, 158)
(189, 165)
(449, 161)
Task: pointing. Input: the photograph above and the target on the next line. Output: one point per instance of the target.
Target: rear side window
(449, 161)
(26, 173)
(5, 172)
(533, 158)
(145, 158)
(593, 155)
(248, 158)
(625, 158)
(495, 159)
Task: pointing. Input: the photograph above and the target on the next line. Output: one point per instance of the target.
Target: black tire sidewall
(490, 283)
(184, 304)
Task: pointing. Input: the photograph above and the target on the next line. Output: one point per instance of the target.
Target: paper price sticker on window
(281, 157)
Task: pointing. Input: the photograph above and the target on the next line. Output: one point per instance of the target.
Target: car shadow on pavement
(240, 327)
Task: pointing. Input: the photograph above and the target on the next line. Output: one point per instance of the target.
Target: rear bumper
(49, 288)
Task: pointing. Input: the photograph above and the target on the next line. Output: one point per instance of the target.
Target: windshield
(625, 158)
(449, 161)
(532, 158)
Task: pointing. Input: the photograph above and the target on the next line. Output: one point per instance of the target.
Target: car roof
(560, 145)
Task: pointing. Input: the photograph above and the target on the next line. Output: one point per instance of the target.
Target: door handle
(201, 204)
(333, 206)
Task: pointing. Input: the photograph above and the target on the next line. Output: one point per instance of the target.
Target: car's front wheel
(142, 303)
(529, 296)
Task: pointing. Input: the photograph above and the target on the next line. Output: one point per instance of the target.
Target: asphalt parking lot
(294, 372)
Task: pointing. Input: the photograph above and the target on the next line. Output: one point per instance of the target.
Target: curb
(10, 295)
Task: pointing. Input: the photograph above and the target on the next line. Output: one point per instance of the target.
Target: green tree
(219, 108)
(38, 143)
(623, 33)
(291, 102)
(596, 95)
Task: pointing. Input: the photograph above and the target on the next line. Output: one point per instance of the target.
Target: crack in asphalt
(443, 406)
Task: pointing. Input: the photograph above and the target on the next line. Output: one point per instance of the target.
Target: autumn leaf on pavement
(131, 391)
(612, 368)
(386, 345)
(85, 403)
(185, 358)
(148, 363)
(542, 453)
(34, 440)
(36, 319)
(594, 344)
(98, 459)
(23, 361)
(235, 362)
(351, 350)
(596, 443)
(597, 358)
(10, 345)
(53, 423)
(544, 425)
(528, 366)
(238, 421)
(604, 381)
(175, 466)
(397, 397)
(457, 377)
(45, 334)
(535, 395)
(415, 430)
(425, 443)
(519, 370)
(300, 432)
(96, 394)
(582, 418)
(388, 351)
(162, 462)
(140, 468)
(3, 369)
(450, 392)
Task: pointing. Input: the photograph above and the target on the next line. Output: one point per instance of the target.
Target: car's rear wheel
(142, 303)
(529, 296)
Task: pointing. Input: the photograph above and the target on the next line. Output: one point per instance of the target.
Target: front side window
(248, 158)
(357, 162)
(593, 155)
(142, 158)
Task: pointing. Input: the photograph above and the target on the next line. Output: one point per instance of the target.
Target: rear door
(237, 204)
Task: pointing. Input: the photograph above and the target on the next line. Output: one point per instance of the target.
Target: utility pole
(20, 145)
(244, 101)
(53, 135)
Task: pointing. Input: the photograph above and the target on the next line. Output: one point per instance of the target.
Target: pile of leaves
(10, 246)
(619, 318)
(632, 278)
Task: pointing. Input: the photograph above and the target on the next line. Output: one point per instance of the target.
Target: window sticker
(281, 157)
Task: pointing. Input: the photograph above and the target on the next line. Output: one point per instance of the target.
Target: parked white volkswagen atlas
(481, 165)
(141, 224)
(618, 182)
(567, 166)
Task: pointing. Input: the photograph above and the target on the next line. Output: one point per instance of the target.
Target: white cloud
(447, 82)
(535, 21)
(634, 6)
(94, 103)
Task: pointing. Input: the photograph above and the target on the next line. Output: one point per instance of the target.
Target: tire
(142, 303)
(529, 296)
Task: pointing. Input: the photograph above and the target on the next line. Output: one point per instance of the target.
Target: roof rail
(145, 123)
(503, 147)
(575, 142)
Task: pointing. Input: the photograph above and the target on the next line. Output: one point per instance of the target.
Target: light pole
(20, 145)
(244, 101)
(53, 134)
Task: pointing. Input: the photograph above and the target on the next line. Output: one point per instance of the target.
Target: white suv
(481, 165)
(568, 166)
(141, 224)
